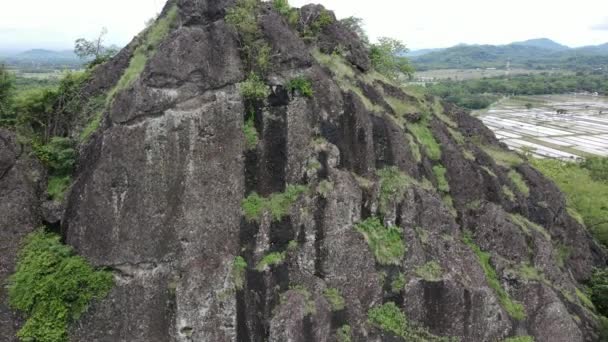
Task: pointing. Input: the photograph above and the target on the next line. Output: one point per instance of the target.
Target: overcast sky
(420, 24)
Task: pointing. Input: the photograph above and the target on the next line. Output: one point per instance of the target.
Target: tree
(94, 49)
(355, 25)
(6, 90)
(387, 58)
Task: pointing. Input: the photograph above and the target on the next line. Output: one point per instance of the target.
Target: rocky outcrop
(170, 196)
(20, 180)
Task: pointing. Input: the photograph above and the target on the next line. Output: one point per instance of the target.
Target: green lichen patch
(512, 307)
(385, 242)
(53, 287)
(324, 188)
(431, 271)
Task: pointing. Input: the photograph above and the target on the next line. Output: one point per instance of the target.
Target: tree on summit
(95, 50)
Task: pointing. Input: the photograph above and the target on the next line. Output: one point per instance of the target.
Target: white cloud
(602, 26)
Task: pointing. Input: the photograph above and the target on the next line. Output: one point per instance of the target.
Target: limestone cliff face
(159, 190)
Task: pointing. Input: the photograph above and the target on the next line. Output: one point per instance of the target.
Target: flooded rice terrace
(551, 126)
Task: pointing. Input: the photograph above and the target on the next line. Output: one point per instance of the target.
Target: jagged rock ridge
(160, 191)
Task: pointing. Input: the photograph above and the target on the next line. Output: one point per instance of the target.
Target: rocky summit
(253, 178)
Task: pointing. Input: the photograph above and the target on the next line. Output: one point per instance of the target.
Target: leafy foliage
(513, 308)
(598, 168)
(398, 283)
(94, 49)
(59, 156)
(254, 88)
(277, 204)
(355, 25)
(385, 242)
(300, 85)
(386, 58)
(587, 196)
(291, 14)
(53, 287)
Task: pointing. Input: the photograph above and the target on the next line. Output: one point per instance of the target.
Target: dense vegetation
(480, 93)
(53, 287)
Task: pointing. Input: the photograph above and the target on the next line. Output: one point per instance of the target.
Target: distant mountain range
(539, 53)
(41, 58)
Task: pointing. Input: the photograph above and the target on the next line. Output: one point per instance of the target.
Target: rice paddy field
(568, 127)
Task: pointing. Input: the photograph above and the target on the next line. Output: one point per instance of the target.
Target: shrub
(324, 19)
(599, 291)
(386, 58)
(291, 14)
(300, 85)
(335, 299)
(254, 88)
(385, 243)
(398, 283)
(598, 168)
(52, 286)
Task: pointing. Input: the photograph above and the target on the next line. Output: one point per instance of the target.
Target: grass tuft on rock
(431, 271)
(393, 184)
(272, 259)
(425, 137)
(390, 318)
(301, 85)
(53, 287)
(251, 134)
(278, 204)
(442, 183)
(343, 334)
(239, 266)
(513, 308)
(385, 242)
(254, 88)
(519, 182)
(335, 299)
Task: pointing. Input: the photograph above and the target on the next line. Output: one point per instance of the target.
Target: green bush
(335, 299)
(291, 14)
(7, 82)
(598, 168)
(301, 85)
(513, 308)
(53, 287)
(385, 243)
(386, 58)
(599, 291)
(59, 157)
(254, 88)
(398, 283)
